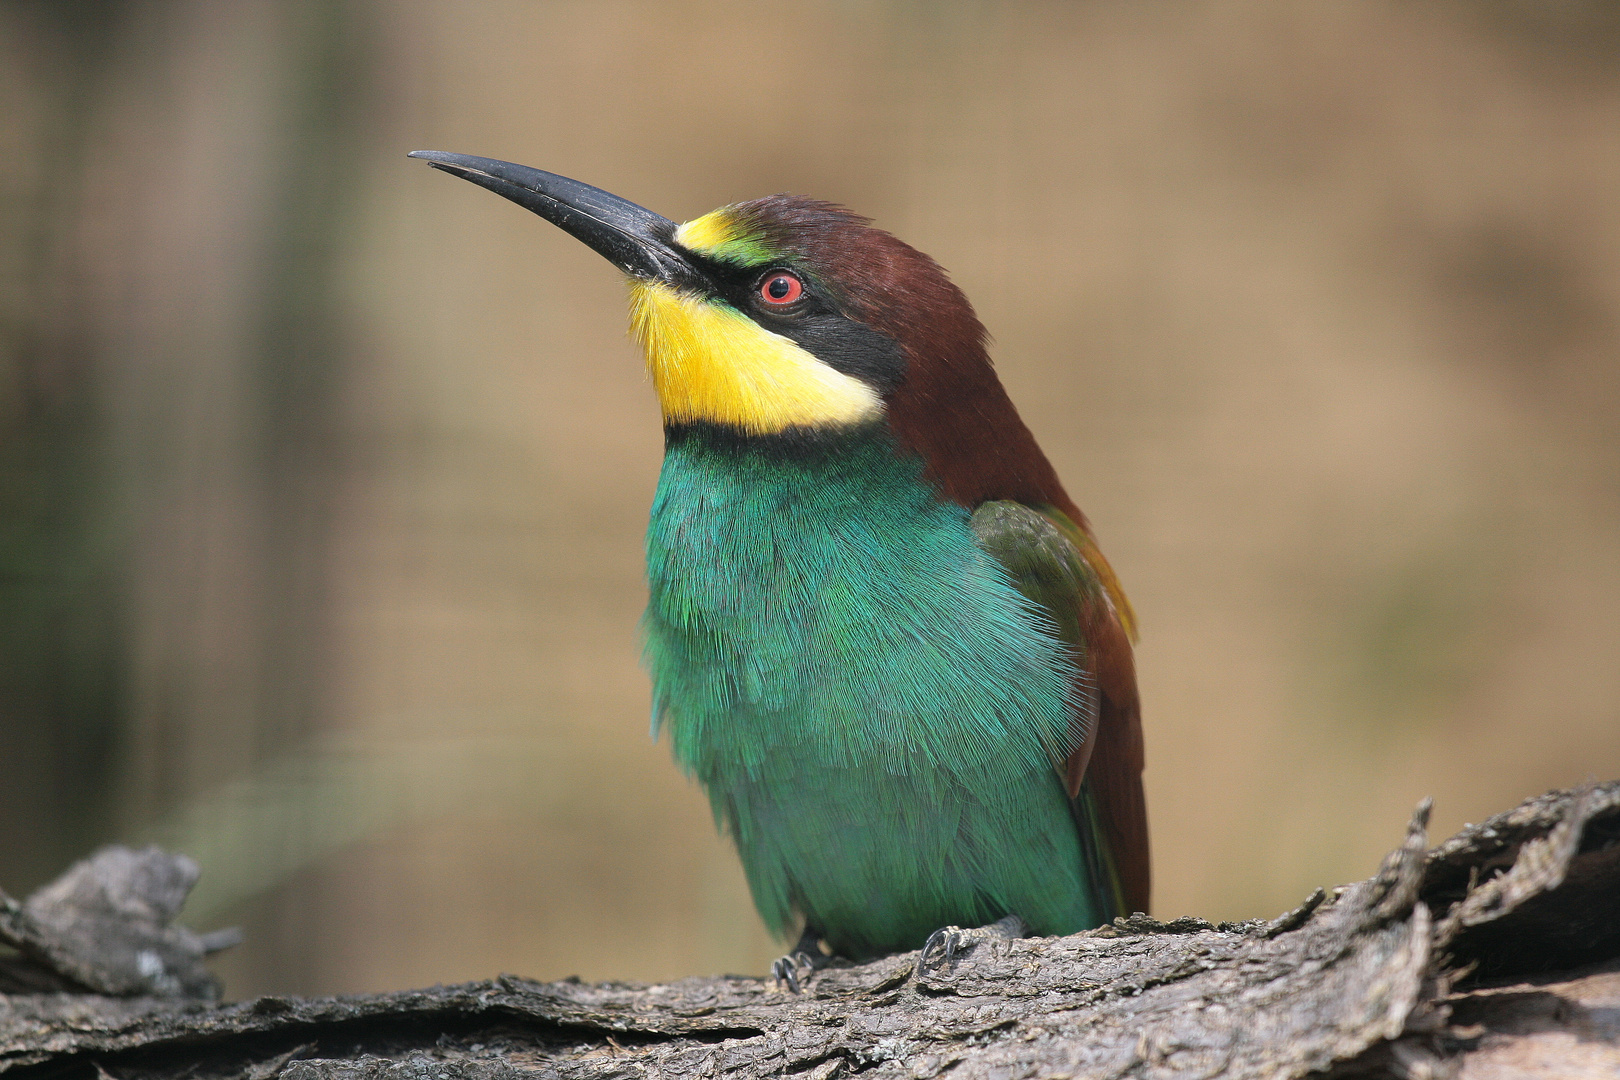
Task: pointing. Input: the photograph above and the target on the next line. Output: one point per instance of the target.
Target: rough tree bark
(1494, 954)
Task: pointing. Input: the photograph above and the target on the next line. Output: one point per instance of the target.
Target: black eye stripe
(814, 319)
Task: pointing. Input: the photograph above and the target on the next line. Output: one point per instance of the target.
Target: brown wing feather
(1116, 781)
(1113, 757)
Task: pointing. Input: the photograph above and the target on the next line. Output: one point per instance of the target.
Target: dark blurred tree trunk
(62, 536)
(167, 473)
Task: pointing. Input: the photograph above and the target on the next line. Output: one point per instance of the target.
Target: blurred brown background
(322, 475)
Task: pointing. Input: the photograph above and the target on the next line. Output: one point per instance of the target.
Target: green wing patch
(1049, 570)
(1042, 562)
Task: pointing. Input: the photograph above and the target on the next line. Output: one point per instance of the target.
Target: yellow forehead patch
(711, 363)
(707, 232)
(718, 235)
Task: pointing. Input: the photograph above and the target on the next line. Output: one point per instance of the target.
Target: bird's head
(790, 313)
(786, 315)
(778, 313)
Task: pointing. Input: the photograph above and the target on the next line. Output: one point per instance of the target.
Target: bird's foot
(806, 956)
(949, 942)
(785, 969)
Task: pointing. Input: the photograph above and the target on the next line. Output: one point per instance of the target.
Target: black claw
(928, 947)
(943, 939)
(785, 970)
(806, 954)
(952, 941)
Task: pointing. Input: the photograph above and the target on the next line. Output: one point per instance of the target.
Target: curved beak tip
(455, 164)
(631, 237)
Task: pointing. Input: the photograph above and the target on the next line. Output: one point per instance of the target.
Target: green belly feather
(871, 706)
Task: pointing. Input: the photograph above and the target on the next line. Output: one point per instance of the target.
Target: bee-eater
(881, 636)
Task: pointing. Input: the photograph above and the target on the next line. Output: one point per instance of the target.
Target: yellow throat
(710, 362)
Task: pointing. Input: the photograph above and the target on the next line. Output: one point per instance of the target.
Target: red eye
(781, 288)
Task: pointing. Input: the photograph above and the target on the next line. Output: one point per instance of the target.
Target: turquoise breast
(871, 706)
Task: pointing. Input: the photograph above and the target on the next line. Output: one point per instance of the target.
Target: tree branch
(1358, 981)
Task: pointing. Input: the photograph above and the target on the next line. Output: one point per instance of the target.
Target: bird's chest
(831, 610)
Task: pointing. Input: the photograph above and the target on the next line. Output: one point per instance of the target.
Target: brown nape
(951, 408)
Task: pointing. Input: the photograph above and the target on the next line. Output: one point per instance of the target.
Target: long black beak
(631, 237)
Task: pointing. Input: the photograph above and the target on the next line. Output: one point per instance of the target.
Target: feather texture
(872, 705)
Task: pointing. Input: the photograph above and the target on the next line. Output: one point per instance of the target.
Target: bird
(880, 634)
